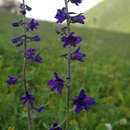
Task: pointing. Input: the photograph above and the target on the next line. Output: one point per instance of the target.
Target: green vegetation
(105, 75)
(111, 15)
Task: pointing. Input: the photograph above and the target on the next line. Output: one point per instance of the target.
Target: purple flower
(77, 55)
(41, 108)
(18, 41)
(56, 127)
(58, 83)
(77, 2)
(17, 23)
(35, 38)
(30, 53)
(57, 32)
(38, 58)
(32, 25)
(61, 15)
(27, 98)
(71, 39)
(12, 80)
(24, 8)
(28, 8)
(82, 102)
(78, 19)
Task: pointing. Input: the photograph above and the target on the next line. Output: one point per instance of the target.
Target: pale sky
(46, 9)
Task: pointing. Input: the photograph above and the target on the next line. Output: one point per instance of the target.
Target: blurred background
(105, 74)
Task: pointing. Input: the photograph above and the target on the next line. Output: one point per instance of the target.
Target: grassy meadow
(105, 75)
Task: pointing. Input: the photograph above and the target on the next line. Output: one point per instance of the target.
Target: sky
(46, 9)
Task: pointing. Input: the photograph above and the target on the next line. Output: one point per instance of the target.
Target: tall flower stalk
(68, 68)
(25, 69)
(69, 40)
(28, 54)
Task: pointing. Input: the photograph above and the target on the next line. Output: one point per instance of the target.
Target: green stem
(68, 73)
(24, 72)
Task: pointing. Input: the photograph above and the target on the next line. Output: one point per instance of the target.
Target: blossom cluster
(31, 54)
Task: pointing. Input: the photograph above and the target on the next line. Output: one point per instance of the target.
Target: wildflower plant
(29, 54)
(70, 40)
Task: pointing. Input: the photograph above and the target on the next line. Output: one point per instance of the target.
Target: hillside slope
(111, 15)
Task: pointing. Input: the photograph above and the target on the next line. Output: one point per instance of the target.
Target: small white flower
(123, 121)
(108, 126)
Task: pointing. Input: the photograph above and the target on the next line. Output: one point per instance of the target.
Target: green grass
(105, 75)
(111, 15)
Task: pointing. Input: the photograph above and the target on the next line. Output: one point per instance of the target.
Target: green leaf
(101, 127)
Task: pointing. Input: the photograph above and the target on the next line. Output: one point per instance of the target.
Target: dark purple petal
(54, 87)
(56, 127)
(78, 19)
(12, 80)
(51, 82)
(28, 97)
(86, 108)
(18, 41)
(90, 101)
(77, 2)
(38, 58)
(30, 53)
(56, 75)
(28, 8)
(82, 93)
(57, 32)
(76, 40)
(32, 25)
(24, 99)
(24, 8)
(17, 23)
(82, 101)
(41, 108)
(78, 109)
(77, 55)
(36, 38)
(31, 100)
(61, 15)
(71, 39)
(59, 89)
(58, 83)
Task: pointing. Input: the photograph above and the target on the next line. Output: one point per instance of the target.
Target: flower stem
(29, 117)
(25, 49)
(24, 71)
(68, 71)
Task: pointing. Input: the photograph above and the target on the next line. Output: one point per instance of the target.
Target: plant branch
(68, 71)
(24, 72)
